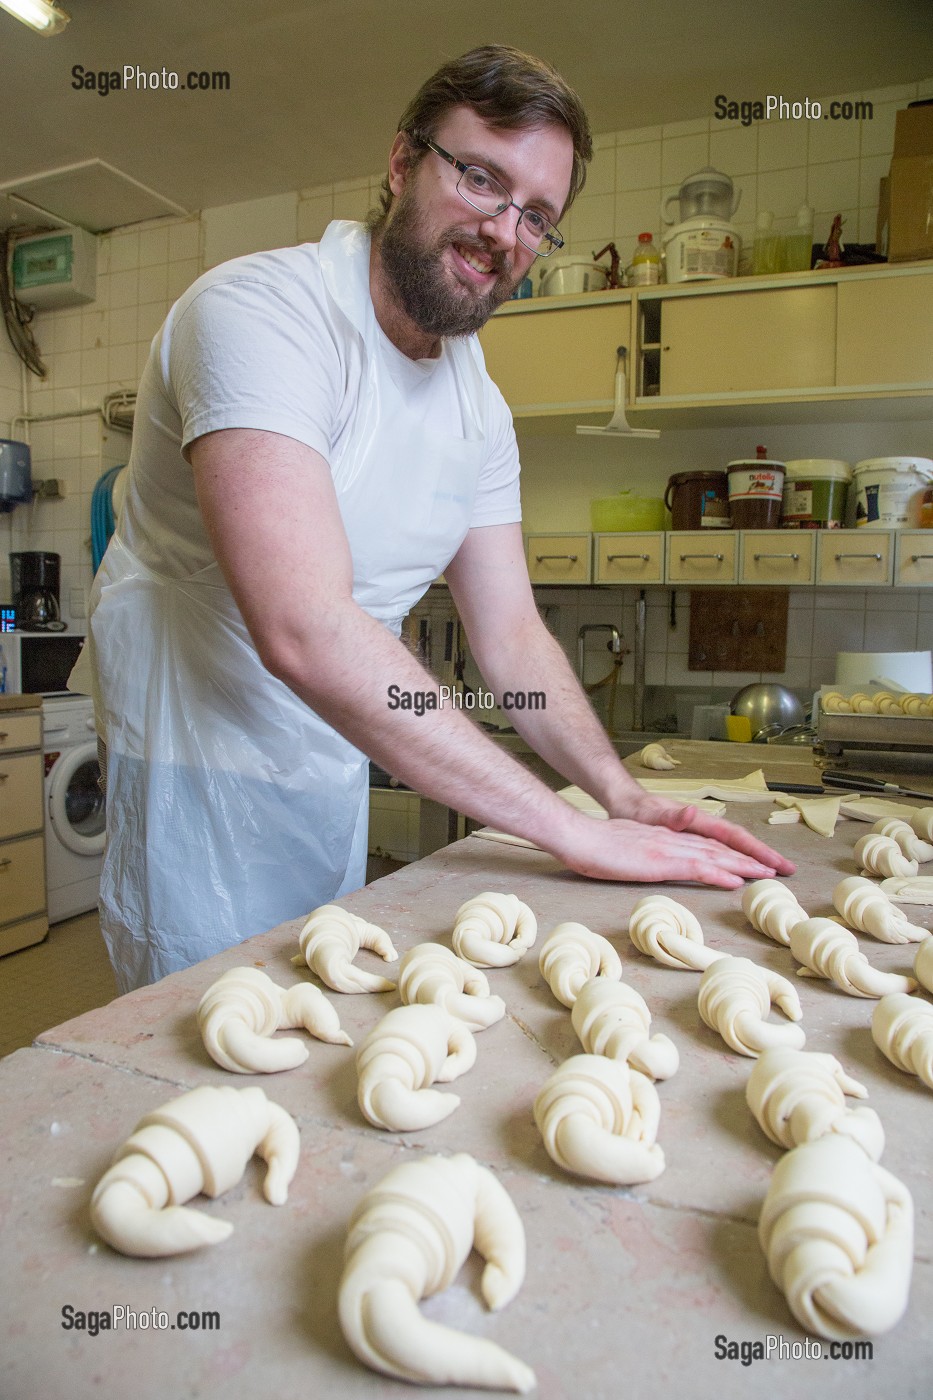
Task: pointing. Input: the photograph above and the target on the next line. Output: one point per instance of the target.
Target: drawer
(694, 558)
(913, 567)
(777, 556)
(559, 558)
(856, 557)
(21, 793)
(22, 878)
(629, 558)
(20, 731)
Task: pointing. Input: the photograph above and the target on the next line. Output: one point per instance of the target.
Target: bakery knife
(860, 782)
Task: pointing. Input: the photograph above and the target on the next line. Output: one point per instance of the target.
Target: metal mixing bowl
(767, 706)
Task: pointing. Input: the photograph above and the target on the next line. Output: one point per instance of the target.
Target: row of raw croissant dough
(598, 1117)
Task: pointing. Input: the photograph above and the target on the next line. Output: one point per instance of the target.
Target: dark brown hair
(508, 89)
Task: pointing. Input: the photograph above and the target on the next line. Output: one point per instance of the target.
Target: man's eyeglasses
(484, 192)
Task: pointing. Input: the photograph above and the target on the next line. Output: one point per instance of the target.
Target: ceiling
(316, 88)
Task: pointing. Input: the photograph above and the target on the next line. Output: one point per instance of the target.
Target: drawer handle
(685, 557)
(795, 557)
(5, 862)
(540, 558)
(3, 777)
(3, 735)
(840, 557)
(610, 558)
(914, 558)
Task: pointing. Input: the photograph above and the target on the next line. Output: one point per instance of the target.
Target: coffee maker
(35, 582)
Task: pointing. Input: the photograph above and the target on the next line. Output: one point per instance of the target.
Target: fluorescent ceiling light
(40, 15)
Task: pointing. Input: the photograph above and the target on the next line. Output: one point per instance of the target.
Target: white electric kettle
(707, 194)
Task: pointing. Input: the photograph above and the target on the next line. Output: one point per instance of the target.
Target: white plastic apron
(231, 806)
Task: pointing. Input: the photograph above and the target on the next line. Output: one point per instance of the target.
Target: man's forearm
(440, 752)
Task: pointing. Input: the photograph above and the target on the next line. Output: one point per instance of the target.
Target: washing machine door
(76, 803)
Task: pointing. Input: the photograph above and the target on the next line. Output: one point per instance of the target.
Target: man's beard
(422, 285)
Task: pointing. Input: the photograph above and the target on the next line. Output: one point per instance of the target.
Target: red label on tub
(755, 483)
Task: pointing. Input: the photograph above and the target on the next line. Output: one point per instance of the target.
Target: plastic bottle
(798, 244)
(765, 250)
(645, 270)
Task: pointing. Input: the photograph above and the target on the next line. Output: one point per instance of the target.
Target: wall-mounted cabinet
(559, 356)
(765, 558)
(849, 343)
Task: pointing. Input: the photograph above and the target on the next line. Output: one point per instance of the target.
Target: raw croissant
(668, 932)
(612, 1019)
(770, 908)
(881, 855)
(200, 1142)
(835, 703)
(407, 1240)
(734, 999)
(239, 1013)
(865, 906)
(797, 1096)
(431, 974)
(599, 1119)
(921, 819)
(828, 950)
(571, 955)
(410, 1048)
(902, 1029)
(656, 756)
(493, 930)
(837, 1231)
(923, 963)
(913, 847)
(331, 939)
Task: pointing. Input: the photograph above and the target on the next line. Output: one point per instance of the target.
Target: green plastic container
(815, 490)
(627, 512)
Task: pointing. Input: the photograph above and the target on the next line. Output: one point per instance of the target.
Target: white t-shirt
(257, 343)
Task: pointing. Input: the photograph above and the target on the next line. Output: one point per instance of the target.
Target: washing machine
(74, 806)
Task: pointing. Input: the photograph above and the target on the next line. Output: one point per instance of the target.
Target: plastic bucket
(756, 491)
(888, 491)
(815, 490)
(698, 501)
(627, 512)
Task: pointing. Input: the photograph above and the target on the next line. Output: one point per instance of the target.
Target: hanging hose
(102, 519)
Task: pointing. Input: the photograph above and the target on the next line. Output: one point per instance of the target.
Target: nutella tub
(756, 491)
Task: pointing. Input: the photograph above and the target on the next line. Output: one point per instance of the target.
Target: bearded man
(316, 441)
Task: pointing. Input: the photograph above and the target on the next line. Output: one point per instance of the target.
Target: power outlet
(77, 602)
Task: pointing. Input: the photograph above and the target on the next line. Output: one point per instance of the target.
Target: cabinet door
(559, 558)
(886, 332)
(767, 342)
(913, 567)
(21, 792)
(629, 558)
(692, 557)
(857, 557)
(22, 878)
(777, 556)
(557, 361)
(20, 731)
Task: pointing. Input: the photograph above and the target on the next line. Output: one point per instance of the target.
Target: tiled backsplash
(91, 351)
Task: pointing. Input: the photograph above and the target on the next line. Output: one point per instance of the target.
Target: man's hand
(665, 845)
(661, 811)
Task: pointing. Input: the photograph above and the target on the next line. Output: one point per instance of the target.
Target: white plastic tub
(888, 491)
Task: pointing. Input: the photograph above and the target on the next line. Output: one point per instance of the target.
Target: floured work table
(627, 1289)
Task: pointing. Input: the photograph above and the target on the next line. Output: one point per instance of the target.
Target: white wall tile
(638, 167)
(153, 246)
(184, 240)
(887, 631)
(696, 126)
(601, 172)
(735, 150)
(841, 631)
(877, 135)
(124, 288)
(637, 134)
(251, 226)
(314, 214)
(833, 140)
(782, 191)
(682, 156)
(124, 251)
(781, 145)
(637, 211)
(594, 219)
(153, 283)
(833, 187)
